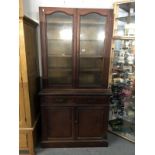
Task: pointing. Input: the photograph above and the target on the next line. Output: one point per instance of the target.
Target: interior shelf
(124, 37)
(60, 69)
(90, 56)
(90, 70)
(125, 19)
(59, 56)
(90, 40)
(58, 39)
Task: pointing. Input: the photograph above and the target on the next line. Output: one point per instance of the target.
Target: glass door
(75, 46)
(59, 48)
(91, 49)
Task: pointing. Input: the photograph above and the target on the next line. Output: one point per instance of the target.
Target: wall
(31, 9)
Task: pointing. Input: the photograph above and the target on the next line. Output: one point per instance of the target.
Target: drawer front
(50, 100)
(92, 100)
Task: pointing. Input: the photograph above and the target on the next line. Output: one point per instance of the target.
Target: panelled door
(90, 122)
(58, 124)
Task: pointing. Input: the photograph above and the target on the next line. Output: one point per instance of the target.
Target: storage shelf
(92, 40)
(90, 56)
(92, 23)
(124, 37)
(59, 56)
(125, 19)
(58, 39)
(90, 70)
(57, 69)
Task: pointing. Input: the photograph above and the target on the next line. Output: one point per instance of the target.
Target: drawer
(48, 100)
(92, 100)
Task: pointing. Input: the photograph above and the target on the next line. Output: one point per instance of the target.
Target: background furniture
(28, 85)
(122, 118)
(74, 98)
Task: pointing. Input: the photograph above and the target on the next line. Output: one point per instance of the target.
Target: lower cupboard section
(74, 126)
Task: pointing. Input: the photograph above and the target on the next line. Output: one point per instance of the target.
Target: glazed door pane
(92, 36)
(59, 46)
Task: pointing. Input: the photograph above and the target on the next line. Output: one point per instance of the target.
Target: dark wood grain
(43, 46)
(72, 116)
(90, 122)
(71, 119)
(59, 123)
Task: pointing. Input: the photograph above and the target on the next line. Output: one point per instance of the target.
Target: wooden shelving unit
(122, 70)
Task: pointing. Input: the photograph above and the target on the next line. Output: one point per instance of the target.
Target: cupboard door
(92, 47)
(90, 123)
(57, 123)
(57, 45)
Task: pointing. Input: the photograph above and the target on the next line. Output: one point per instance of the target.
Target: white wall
(31, 7)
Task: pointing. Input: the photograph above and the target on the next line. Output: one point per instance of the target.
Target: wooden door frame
(107, 48)
(43, 12)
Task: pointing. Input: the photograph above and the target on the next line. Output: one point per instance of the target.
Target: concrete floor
(117, 146)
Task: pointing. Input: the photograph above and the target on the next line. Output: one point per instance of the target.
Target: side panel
(32, 67)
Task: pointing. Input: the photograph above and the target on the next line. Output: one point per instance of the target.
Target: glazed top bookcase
(75, 47)
(74, 99)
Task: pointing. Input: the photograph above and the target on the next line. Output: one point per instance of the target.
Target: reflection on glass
(59, 41)
(101, 36)
(92, 36)
(66, 34)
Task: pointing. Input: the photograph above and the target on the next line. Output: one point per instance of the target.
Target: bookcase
(76, 46)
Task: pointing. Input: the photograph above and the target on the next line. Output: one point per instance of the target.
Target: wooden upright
(28, 84)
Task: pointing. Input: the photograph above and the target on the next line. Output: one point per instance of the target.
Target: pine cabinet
(28, 86)
(75, 46)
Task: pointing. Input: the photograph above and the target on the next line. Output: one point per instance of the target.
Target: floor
(117, 146)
